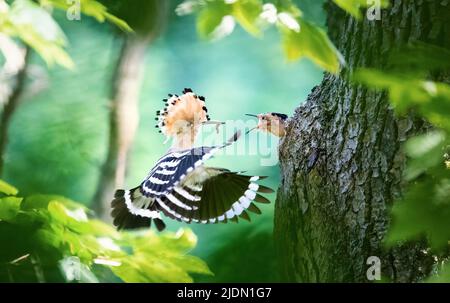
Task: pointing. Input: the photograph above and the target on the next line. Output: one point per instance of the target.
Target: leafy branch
(216, 19)
(425, 208)
(33, 24)
(56, 230)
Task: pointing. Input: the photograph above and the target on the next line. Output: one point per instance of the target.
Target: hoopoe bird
(274, 123)
(179, 185)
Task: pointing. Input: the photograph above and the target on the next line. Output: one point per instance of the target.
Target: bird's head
(182, 118)
(274, 123)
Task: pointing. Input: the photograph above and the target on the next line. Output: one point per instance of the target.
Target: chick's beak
(251, 130)
(252, 115)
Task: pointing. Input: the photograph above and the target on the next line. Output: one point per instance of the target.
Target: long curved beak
(252, 115)
(247, 132)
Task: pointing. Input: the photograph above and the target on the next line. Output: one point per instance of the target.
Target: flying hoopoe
(274, 123)
(179, 185)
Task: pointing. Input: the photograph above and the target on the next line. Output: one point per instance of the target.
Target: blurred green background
(58, 137)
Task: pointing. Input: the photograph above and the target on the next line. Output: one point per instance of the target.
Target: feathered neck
(185, 139)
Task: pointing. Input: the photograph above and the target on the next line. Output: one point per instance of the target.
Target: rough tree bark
(341, 163)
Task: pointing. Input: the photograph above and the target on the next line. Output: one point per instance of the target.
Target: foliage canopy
(425, 208)
(46, 234)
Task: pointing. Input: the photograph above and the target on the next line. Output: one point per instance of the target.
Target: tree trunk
(148, 19)
(12, 101)
(124, 119)
(340, 160)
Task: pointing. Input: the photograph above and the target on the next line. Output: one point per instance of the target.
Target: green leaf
(375, 78)
(58, 227)
(183, 241)
(290, 7)
(9, 208)
(246, 13)
(118, 22)
(187, 7)
(210, 17)
(26, 12)
(35, 26)
(161, 265)
(59, 212)
(437, 110)
(90, 8)
(160, 258)
(443, 193)
(353, 7)
(420, 146)
(418, 57)
(421, 213)
(98, 228)
(432, 99)
(311, 42)
(7, 189)
(193, 265)
(39, 201)
(404, 89)
(350, 6)
(140, 268)
(425, 151)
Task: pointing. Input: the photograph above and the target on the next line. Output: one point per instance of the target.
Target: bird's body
(180, 185)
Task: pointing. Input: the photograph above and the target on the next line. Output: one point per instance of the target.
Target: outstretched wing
(224, 196)
(172, 169)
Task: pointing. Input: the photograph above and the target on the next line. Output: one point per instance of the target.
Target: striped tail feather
(225, 197)
(131, 210)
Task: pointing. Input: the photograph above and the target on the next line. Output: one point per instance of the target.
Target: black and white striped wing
(221, 198)
(171, 169)
(130, 209)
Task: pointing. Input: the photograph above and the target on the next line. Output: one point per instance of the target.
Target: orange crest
(182, 113)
